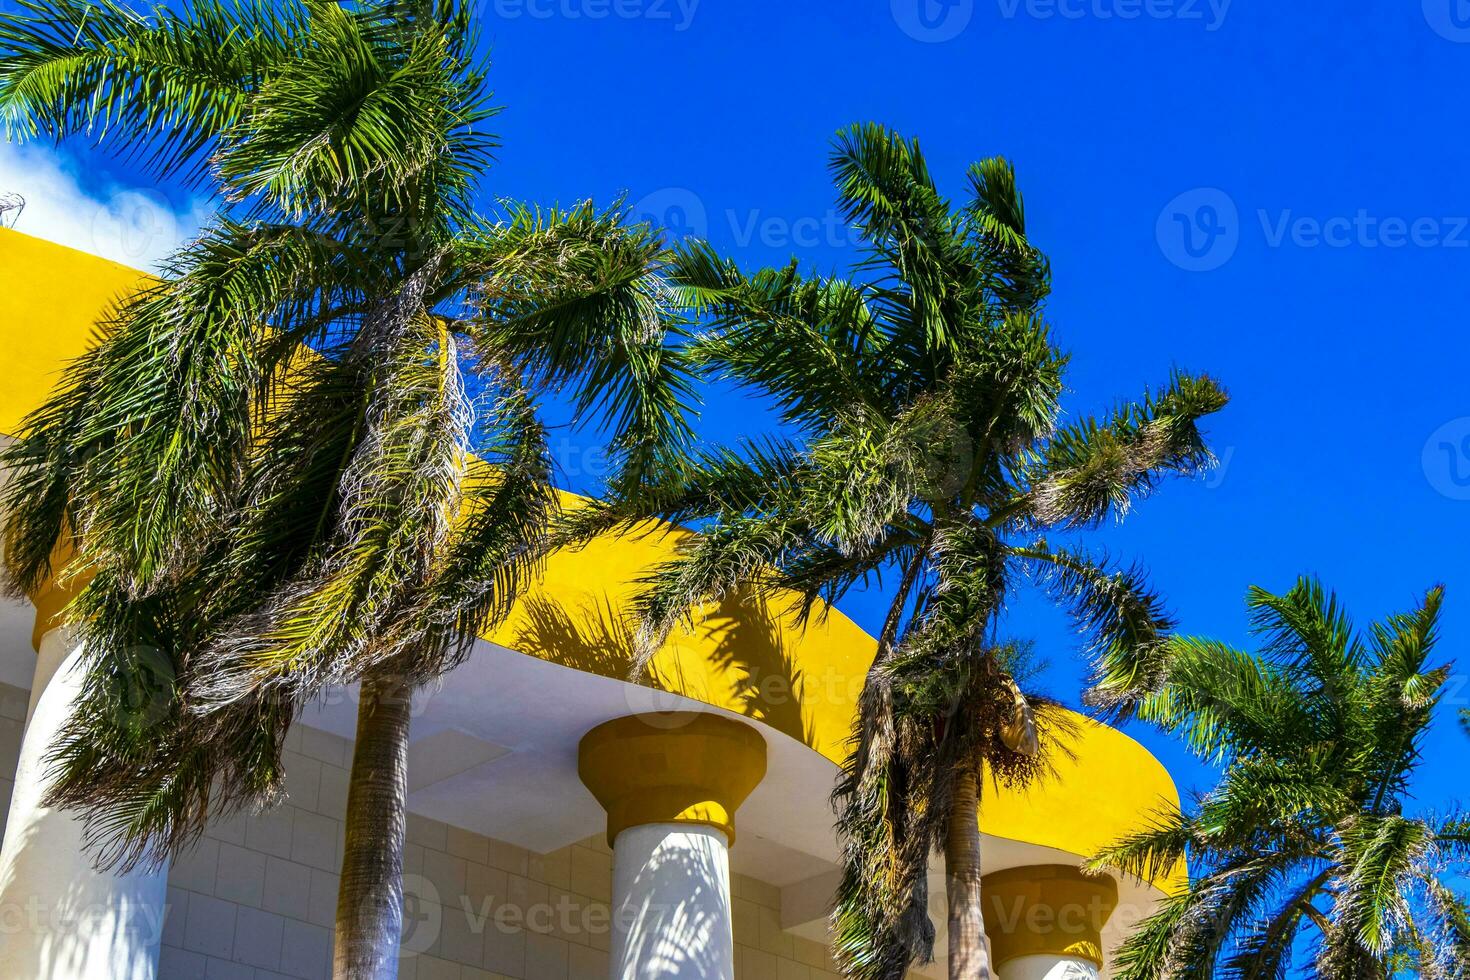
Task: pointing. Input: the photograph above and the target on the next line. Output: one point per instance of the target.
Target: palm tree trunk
(370, 899)
(968, 957)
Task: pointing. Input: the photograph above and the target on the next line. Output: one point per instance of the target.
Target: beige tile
(585, 963)
(566, 909)
(316, 840)
(758, 964)
(772, 938)
(325, 747)
(747, 922)
(322, 909)
(430, 833)
(546, 958)
(591, 873)
(757, 891)
(597, 842)
(792, 970)
(13, 703)
(332, 793)
(435, 968)
(813, 954)
(287, 888)
(555, 868)
(508, 857)
(467, 844)
(505, 951)
(271, 831)
(525, 897)
(485, 884)
(447, 873)
(461, 939)
(197, 867)
(303, 780)
(230, 830)
(241, 875)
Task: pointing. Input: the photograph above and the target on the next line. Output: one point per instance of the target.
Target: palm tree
(922, 409)
(264, 464)
(1306, 844)
(956, 718)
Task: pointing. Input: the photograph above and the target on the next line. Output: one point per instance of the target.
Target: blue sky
(1270, 192)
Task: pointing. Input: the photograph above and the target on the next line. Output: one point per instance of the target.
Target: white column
(671, 915)
(61, 918)
(671, 784)
(1048, 967)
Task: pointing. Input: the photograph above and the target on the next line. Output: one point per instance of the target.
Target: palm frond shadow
(749, 655)
(751, 647)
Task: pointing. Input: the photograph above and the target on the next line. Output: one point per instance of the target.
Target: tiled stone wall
(257, 898)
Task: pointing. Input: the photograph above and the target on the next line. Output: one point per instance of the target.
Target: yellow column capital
(1051, 909)
(57, 592)
(671, 767)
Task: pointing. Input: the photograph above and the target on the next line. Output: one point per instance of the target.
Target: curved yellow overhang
(744, 655)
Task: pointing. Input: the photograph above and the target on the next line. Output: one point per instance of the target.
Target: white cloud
(136, 226)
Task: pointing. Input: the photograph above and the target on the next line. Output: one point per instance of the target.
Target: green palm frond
(352, 124)
(1095, 468)
(400, 491)
(162, 85)
(1151, 852)
(1378, 859)
(150, 429)
(1219, 697)
(812, 345)
(738, 552)
(574, 299)
(501, 542)
(1021, 276)
(1318, 734)
(1122, 617)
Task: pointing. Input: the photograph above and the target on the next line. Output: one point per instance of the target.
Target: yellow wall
(744, 656)
(50, 296)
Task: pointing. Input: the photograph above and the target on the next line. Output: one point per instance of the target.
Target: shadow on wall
(748, 655)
